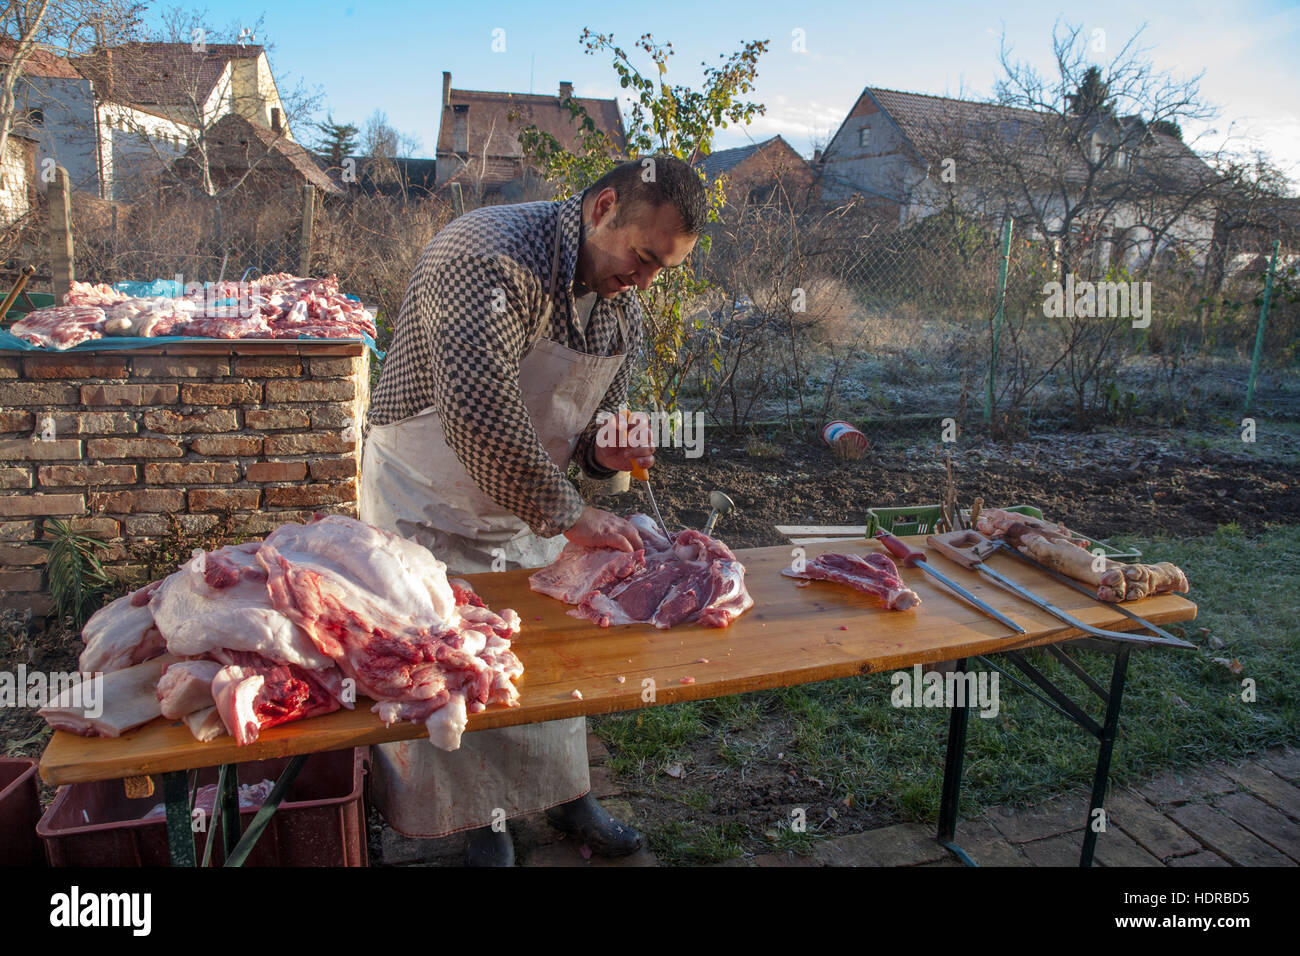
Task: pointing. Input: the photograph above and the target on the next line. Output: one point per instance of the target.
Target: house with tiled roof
(136, 106)
(240, 153)
(920, 153)
(478, 135)
(756, 173)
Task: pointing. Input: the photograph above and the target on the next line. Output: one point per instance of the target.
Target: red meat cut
(873, 574)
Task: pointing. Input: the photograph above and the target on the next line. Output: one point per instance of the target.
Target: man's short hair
(655, 181)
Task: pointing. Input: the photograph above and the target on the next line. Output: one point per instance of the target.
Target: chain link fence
(818, 314)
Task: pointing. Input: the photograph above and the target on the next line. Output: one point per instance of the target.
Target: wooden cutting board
(796, 633)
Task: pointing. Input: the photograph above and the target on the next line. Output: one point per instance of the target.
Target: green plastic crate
(912, 519)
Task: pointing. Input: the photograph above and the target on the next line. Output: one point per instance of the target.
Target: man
(518, 328)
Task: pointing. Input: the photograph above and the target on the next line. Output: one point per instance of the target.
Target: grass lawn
(1180, 709)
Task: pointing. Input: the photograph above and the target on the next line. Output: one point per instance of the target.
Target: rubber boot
(488, 847)
(587, 819)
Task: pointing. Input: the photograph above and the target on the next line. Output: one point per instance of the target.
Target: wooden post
(457, 200)
(308, 214)
(63, 269)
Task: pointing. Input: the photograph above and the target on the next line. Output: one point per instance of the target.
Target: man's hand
(600, 529)
(635, 445)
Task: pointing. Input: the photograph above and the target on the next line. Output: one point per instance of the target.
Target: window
(864, 136)
(36, 117)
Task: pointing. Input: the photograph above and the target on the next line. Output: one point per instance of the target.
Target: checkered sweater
(473, 305)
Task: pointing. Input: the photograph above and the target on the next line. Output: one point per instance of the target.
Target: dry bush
(372, 243)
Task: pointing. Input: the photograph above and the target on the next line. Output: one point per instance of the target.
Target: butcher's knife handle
(967, 548)
(899, 549)
(639, 473)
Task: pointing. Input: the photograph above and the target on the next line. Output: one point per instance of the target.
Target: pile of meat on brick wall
(272, 307)
(259, 634)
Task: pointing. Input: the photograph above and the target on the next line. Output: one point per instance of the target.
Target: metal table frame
(1106, 731)
(180, 789)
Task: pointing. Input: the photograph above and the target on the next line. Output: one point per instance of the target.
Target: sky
(389, 56)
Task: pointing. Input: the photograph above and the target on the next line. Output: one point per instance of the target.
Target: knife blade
(912, 558)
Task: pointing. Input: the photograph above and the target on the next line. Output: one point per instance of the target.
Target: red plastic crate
(321, 822)
(20, 809)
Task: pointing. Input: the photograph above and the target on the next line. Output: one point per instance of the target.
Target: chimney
(566, 90)
(817, 155)
(460, 129)
(446, 88)
(108, 73)
(275, 120)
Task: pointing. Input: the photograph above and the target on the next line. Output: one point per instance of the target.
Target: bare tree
(382, 144)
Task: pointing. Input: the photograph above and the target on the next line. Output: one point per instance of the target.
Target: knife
(912, 558)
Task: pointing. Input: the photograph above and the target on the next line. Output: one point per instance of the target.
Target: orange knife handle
(639, 473)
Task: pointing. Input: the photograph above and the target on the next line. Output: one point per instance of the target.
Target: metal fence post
(1263, 320)
(308, 214)
(63, 268)
(997, 320)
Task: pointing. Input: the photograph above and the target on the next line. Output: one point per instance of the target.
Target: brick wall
(264, 432)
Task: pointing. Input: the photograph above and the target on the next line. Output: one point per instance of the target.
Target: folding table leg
(237, 855)
(180, 828)
(1109, 730)
(952, 767)
(229, 797)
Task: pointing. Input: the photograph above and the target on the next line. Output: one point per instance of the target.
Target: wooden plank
(803, 541)
(794, 634)
(859, 530)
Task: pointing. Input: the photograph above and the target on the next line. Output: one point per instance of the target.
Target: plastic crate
(20, 809)
(321, 822)
(913, 519)
(1112, 552)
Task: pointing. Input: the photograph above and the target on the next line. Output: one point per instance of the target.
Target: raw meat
(61, 326)
(251, 797)
(127, 700)
(431, 667)
(691, 578)
(185, 687)
(219, 600)
(275, 306)
(86, 293)
(147, 317)
(120, 634)
(206, 724)
(871, 574)
(1115, 582)
(281, 623)
(250, 698)
(578, 571)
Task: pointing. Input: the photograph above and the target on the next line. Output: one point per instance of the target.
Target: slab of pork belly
(128, 701)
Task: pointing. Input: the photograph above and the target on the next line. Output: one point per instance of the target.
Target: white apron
(412, 484)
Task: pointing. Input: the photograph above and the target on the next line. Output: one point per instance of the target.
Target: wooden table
(794, 634)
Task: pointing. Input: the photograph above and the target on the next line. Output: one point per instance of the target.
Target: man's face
(615, 257)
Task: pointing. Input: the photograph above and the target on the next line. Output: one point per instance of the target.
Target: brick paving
(1244, 814)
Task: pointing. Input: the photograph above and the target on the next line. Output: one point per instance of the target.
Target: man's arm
(486, 306)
